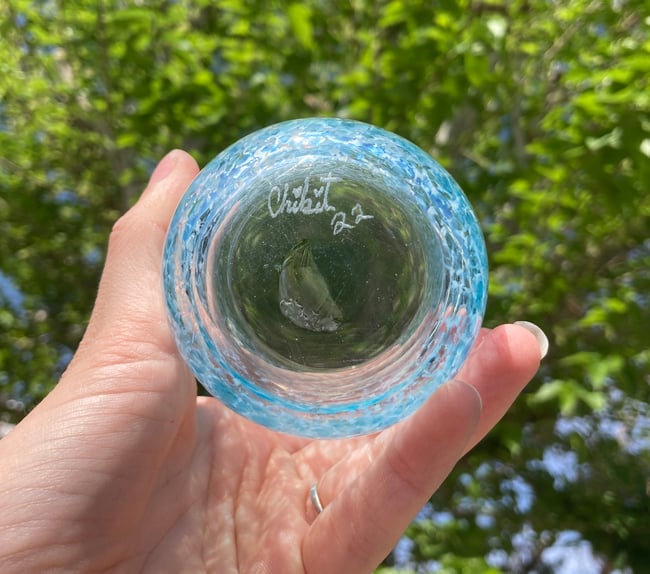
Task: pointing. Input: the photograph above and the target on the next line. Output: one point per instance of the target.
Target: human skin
(121, 468)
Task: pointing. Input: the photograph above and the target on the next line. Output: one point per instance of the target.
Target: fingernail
(542, 339)
(164, 168)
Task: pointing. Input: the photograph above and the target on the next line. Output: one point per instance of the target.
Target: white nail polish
(542, 339)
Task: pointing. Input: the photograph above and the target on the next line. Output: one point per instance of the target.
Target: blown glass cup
(323, 277)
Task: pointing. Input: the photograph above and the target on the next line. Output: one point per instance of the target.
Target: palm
(196, 489)
(230, 497)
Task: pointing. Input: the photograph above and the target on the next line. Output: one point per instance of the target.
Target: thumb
(128, 325)
(100, 439)
(126, 385)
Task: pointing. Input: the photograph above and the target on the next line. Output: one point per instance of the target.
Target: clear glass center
(325, 273)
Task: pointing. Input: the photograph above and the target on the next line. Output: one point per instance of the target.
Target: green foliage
(541, 110)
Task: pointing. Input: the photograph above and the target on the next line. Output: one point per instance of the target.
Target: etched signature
(299, 199)
(308, 200)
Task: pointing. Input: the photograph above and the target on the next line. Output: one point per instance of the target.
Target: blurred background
(539, 108)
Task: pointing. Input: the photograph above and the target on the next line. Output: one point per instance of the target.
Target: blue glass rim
(437, 347)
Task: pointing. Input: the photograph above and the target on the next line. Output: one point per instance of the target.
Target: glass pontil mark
(305, 298)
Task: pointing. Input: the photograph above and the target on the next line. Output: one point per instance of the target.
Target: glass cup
(323, 277)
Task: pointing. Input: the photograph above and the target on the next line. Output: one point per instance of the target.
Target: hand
(121, 468)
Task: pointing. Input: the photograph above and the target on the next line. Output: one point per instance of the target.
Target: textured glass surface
(324, 277)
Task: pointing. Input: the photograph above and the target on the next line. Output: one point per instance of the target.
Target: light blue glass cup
(323, 277)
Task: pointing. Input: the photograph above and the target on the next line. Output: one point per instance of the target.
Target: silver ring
(315, 499)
